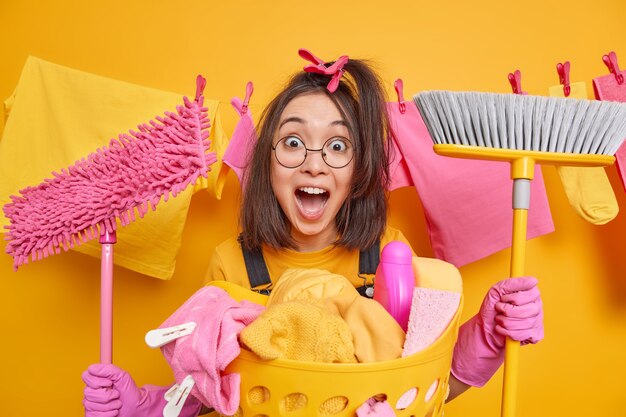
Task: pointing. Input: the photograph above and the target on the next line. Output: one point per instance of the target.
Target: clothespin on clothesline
(399, 86)
(563, 70)
(610, 60)
(246, 100)
(515, 78)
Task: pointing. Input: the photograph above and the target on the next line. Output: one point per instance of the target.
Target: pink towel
(431, 312)
(467, 203)
(375, 408)
(205, 353)
(607, 88)
(242, 141)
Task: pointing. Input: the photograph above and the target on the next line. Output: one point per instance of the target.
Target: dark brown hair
(362, 219)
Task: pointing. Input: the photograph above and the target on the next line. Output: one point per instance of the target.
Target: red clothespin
(200, 84)
(399, 86)
(246, 100)
(563, 71)
(610, 61)
(515, 79)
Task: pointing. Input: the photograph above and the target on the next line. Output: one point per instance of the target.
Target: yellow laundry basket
(290, 388)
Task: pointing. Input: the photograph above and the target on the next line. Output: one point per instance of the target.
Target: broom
(117, 182)
(522, 130)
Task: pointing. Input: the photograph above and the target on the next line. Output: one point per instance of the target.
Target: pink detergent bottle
(395, 281)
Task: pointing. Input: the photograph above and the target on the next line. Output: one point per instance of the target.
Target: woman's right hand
(111, 392)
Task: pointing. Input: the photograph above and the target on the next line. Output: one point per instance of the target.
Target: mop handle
(522, 172)
(107, 239)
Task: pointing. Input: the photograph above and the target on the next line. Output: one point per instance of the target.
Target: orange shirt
(227, 263)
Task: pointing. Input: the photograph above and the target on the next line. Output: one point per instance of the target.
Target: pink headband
(319, 67)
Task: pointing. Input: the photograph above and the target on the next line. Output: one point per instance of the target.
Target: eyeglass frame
(306, 152)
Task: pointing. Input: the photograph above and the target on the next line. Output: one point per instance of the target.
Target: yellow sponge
(437, 274)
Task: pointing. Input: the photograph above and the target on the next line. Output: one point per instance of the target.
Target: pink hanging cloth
(612, 87)
(206, 352)
(244, 137)
(467, 203)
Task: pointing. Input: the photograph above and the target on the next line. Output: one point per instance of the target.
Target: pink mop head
(134, 172)
(431, 312)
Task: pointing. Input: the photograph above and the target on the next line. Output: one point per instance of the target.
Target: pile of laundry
(311, 316)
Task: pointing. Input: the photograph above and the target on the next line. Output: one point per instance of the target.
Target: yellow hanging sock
(588, 188)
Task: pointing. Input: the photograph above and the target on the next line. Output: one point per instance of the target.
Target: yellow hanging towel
(58, 115)
(588, 188)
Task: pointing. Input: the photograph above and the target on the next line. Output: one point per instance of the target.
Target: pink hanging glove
(511, 308)
(111, 392)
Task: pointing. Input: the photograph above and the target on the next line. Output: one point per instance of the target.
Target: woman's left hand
(512, 308)
(517, 309)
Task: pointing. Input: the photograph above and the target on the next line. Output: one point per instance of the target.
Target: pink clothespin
(246, 100)
(515, 79)
(335, 71)
(399, 86)
(610, 60)
(200, 84)
(563, 71)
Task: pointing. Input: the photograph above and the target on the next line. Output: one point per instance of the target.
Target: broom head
(505, 127)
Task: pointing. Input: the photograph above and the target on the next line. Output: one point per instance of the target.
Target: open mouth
(311, 200)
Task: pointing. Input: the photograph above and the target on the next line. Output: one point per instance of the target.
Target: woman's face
(312, 193)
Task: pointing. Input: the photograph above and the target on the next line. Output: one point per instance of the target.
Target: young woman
(315, 198)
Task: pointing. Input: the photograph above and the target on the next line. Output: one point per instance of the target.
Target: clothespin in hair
(515, 79)
(246, 100)
(563, 70)
(610, 60)
(399, 86)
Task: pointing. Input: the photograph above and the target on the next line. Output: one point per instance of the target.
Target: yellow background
(49, 309)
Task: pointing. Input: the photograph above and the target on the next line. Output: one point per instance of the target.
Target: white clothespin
(176, 397)
(159, 337)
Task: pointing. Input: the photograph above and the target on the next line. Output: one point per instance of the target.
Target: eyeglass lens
(291, 152)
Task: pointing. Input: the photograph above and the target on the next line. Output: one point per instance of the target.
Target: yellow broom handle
(522, 171)
(522, 168)
(511, 353)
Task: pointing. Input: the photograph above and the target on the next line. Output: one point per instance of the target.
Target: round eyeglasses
(291, 152)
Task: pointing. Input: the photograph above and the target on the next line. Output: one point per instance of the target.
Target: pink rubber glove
(111, 392)
(511, 308)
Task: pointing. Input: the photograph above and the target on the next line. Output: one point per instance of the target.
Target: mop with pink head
(131, 175)
(112, 185)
